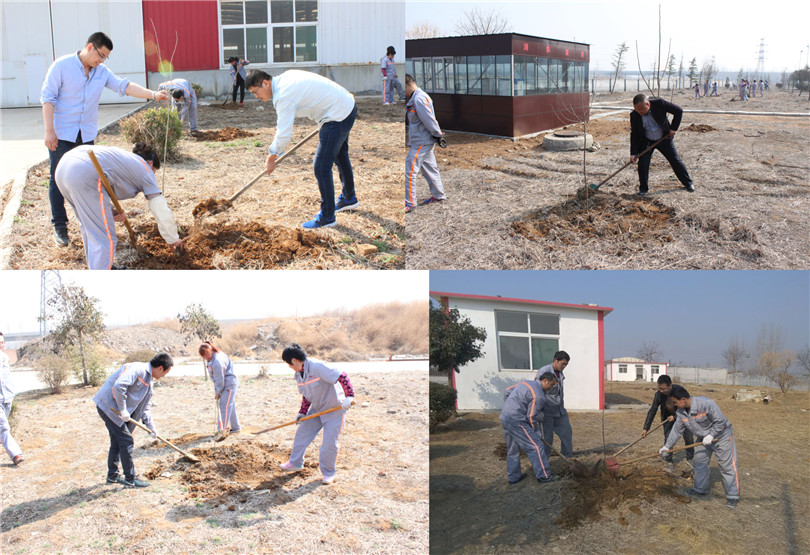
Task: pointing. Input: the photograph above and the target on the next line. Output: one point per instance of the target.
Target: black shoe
(692, 492)
(114, 267)
(60, 236)
(690, 188)
(135, 483)
(518, 480)
(551, 478)
(731, 503)
(117, 480)
(642, 193)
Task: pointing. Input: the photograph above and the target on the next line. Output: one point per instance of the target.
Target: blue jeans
(59, 217)
(333, 148)
(121, 443)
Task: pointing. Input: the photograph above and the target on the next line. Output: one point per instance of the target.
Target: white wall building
(522, 336)
(628, 369)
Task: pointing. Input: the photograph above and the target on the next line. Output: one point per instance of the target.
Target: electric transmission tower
(50, 284)
(760, 71)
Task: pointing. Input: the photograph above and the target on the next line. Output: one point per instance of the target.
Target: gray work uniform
(521, 419)
(318, 385)
(188, 105)
(225, 385)
(556, 417)
(76, 177)
(6, 399)
(130, 388)
(705, 418)
(391, 82)
(422, 127)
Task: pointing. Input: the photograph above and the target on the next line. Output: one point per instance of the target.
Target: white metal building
(628, 369)
(522, 336)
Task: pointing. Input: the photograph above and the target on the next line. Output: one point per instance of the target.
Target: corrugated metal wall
(193, 26)
(359, 32)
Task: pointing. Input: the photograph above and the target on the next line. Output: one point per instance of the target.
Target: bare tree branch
(476, 22)
(422, 30)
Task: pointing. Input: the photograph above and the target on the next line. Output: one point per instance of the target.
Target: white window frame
(528, 335)
(622, 369)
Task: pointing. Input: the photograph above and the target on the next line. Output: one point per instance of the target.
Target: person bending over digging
(317, 384)
(128, 173)
(648, 123)
(225, 385)
(125, 396)
(663, 399)
(702, 417)
(297, 93)
(522, 419)
(183, 95)
(556, 419)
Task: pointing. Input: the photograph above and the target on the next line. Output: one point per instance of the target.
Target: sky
(691, 315)
(729, 31)
(148, 296)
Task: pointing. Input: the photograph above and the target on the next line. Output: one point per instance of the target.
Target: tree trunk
(84, 363)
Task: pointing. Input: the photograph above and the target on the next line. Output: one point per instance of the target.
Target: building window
(270, 31)
(526, 341)
(654, 369)
(622, 369)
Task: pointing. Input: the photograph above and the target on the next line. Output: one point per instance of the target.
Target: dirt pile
(598, 216)
(211, 206)
(224, 245)
(222, 135)
(231, 468)
(699, 128)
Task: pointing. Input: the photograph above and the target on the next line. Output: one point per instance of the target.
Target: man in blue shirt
(70, 97)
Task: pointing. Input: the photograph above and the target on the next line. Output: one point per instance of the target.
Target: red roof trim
(604, 309)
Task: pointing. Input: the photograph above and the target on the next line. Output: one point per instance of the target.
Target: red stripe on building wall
(601, 332)
(192, 26)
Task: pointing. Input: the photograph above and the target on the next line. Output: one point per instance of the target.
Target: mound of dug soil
(600, 215)
(211, 206)
(699, 128)
(222, 135)
(222, 245)
(231, 468)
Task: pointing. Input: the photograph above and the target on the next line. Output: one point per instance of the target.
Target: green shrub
(95, 362)
(143, 355)
(197, 89)
(442, 403)
(150, 127)
(54, 372)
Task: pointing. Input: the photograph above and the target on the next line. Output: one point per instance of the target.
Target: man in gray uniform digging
(522, 418)
(556, 417)
(184, 97)
(703, 417)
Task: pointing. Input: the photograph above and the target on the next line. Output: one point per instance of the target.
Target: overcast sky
(690, 314)
(729, 31)
(147, 296)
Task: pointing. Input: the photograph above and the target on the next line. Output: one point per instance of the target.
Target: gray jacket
(524, 403)
(130, 388)
(422, 124)
(555, 402)
(6, 387)
(221, 371)
(703, 418)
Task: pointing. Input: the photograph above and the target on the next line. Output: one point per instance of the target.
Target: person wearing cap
(663, 399)
(317, 383)
(238, 74)
(7, 400)
(125, 396)
(297, 93)
(70, 97)
(522, 421)
(128, 174)
(184, 98)
(556, 419)
(702, 417)
(390, 78)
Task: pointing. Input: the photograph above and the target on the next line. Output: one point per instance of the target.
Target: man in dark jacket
(648, 123)
(663, 399)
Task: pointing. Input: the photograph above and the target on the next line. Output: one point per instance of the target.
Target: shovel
(116, 204)
(224, 204)
(327, 411)
(611, 462)
(221, 434)
(645, 457)
(575, 467)
(189, 456)
(645, 151)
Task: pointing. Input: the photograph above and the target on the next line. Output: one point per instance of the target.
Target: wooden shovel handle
(563, 457)
(700, 443)
(668, 419)
(327, 411)
(645, 151)
(166, 441)
(113, 198)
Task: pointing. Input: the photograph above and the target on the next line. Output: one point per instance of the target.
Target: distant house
(628, 369)
(522, 336)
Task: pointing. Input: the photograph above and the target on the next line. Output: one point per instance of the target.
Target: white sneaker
(328, 479)
(289, 467)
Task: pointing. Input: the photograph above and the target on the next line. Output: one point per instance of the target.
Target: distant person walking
(648, 123)
(70, 97)
(714, 89)
(423, 133)
(761, 88)
(390, 78)
(697, 91)
(7, 400)
(743, 96)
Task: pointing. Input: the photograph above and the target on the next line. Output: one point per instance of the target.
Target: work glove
(440, 141)
(298, 417)
(347, 403)
(125, 416)
(663, 452)
(385, 78)
(152, 432)
(708, 440)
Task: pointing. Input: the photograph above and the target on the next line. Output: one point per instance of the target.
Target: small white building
(522, 336)
(629, 369)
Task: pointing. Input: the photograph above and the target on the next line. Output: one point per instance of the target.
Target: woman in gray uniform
(128, 173)
(317, 383)
(225, 382)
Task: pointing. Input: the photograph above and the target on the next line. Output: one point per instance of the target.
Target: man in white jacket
(297, 93)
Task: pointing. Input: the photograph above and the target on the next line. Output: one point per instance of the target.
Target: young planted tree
(618, 63)
(803, 358)
(454, 340)
(79, 324)
(734, 355)
(197, 324)
(476, 22)
(693, 72)
(774, 362)
(670, 69)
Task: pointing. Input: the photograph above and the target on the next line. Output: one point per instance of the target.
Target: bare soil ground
(514, 205)
(643, 511)
(262, 230)
(236, 500)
